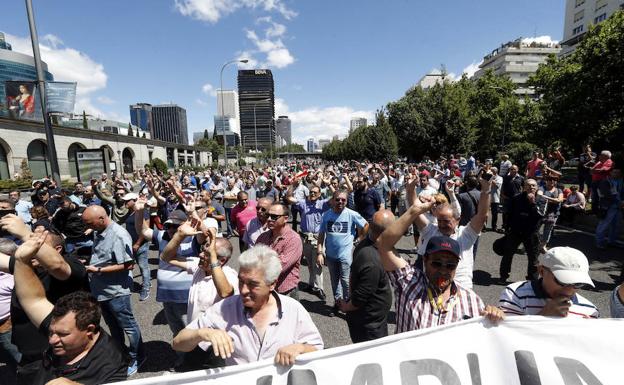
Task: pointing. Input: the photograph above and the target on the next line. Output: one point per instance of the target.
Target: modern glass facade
(169, 123)
(256, 88)
(282, 125)
(141, 115)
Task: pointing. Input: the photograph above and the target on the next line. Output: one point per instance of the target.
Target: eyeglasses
(447, 265)
(340, 200)
(275, 217)
(261, 209)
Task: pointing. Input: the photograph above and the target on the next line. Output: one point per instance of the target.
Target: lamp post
(222, 108)
(255, 126)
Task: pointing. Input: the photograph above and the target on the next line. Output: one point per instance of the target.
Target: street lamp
(222, 108)
(255, 126)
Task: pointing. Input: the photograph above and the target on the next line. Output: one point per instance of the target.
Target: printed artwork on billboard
(20, 99)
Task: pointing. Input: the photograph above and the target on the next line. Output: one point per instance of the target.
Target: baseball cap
(569, 265)
(177, 217)
(443, 243)
(152, 202)
(130, 196)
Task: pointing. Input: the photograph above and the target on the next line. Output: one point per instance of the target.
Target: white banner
(526, 350)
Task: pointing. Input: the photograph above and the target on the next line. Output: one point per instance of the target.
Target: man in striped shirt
(429, 298)
(562, 271)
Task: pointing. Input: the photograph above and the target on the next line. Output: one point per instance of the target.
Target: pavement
(605, 267)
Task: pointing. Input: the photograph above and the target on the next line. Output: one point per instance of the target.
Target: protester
(610, 205)
(600, 171)
(22, 207)
(258, 225)
(587, 159)
(574, 205)
(549, 199)
(286, 326)
(512, 185)
(562, 270)
(241, 214)
(9, 354)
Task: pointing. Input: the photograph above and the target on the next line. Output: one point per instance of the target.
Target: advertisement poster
(90, 164)
(21, 100)
(60, 97)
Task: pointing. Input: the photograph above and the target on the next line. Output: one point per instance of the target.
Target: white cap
(152, 202)
(130, 196)
(569, 265)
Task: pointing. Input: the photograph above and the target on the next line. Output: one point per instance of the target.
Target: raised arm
(187, 229)
(102, 197)
(478, 221)
(420, 221)
(224, 287)
(28, 287)
(141, 225)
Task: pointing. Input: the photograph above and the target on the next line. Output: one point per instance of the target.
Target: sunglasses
(275, 217)
(340, 200)
(261, 209)
(447, 265)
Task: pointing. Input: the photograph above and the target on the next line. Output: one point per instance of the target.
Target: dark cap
(42, 191)
(177, 217)
(443, 243)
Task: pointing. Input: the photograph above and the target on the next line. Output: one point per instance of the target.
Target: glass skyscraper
(141, 116)
(256, 88)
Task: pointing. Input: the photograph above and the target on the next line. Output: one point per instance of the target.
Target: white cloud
(208, 89)
(201, 102)
(471, 69)
(540, 40)
(276, 53)
(320, 122)
(213, 10)
(105, 100)
(69, 64)
(247, 55)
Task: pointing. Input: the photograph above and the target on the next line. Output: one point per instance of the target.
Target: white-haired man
(233, 326)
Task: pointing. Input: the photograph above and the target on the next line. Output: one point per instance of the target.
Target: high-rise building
(283, 128)
(433, 78)
(336, 137)
(256, 101)
(141, 115)
(519, 60)
(579, 15)
(230, 109)
(322, 143)
(356, 123)
(16, 66)
(310, 145)
(169, 123)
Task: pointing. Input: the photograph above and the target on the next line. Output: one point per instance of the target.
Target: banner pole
(56, 175)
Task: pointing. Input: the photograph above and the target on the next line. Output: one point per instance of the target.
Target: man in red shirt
(600, 172)
(241, 214)
(287, 243)
(533, 165)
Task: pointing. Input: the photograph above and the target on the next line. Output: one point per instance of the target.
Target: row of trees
(581, 100)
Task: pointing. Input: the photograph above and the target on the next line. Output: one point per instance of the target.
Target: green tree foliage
(206, 136)
(211, 145)
(293, 147)
(85, 125)
(130, 132)
(25, 173)
(582, 94)
(159, 165)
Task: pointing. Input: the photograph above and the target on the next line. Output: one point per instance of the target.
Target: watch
(99, 270)
(214, 265)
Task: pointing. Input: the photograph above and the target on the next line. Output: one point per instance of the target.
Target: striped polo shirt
(415, 310)
(529, 298)
(173, 282)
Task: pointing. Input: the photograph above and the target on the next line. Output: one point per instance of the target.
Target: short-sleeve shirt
(339, 230)
(311, 214)
(113, 246)
(466, 237)
(532, 167)
(203, 292)
(173, 282)
(241, 216)
(291, 325)
(6, 288)
(414, 309)
(289, 247)
(367, 202)
(529, 298)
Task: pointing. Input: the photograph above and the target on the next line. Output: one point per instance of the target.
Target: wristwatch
(214, 265)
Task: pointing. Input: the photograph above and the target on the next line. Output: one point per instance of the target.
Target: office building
(141, 116)
(226, 123)
(256, 102)
(322, 143)
(579, 15)
(230, 108)
(169, 123)
(310, 145)
(433, 78)
(17, 66)
(519, 60)
(336, 137)
(283, 128)
(356, 123)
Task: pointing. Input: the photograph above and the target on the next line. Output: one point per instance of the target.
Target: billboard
(60, 97)
(90, 164)
(21, 100)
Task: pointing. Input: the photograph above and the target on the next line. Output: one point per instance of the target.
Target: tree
(581, 94)
(143, 136)
(85, 125)
(25, 173)
(293, 147)
(159, 165)
(206, 136)
(212, 146)
(130, 133)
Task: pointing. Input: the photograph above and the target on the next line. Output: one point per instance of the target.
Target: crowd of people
(67, 256)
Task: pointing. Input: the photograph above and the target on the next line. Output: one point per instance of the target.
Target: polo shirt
(415, 310)
(104, 363)
(311, 214)
(339, 230)
(253, 230)
(289, 248)
(466, 237)
(173, 282)
(529, 298)
(291, 325)
(241, 216)
(601, 170)
(203, 292)
(113, 246)
(367, 202)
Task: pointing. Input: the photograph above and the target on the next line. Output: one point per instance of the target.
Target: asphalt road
(605, 269)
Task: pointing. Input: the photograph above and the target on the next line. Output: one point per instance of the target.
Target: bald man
(111, 259)
(371, 295)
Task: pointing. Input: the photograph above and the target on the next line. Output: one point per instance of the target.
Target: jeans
(549, 226)
(339, 276)
(8, 352)
(228, 224)
(141, 258)
(175, 313)
(117, 313)
(315, 278)
(609, 226)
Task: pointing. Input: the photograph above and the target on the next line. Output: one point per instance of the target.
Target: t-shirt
(173, 282)
(6, 288)
(203, 292)
(532, 166)
(367, 202)
(241, 216)
(339, 230)
(228, 193)
(466, 237)
(529, 298)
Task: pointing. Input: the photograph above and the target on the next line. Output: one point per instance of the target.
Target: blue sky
(331, 60)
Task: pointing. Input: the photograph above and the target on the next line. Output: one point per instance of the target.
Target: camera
(487, 176)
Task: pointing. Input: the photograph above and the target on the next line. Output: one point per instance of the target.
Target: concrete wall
(16, 136)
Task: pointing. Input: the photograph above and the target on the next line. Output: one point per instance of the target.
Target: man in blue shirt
(335, 244)
(22, 207)
(367, 200)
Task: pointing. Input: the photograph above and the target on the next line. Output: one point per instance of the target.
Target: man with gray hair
(232, 326)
